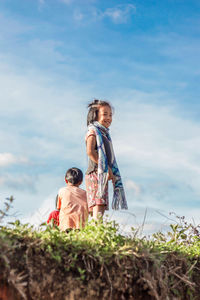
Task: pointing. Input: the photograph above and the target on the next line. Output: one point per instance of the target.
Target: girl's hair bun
(95, 103)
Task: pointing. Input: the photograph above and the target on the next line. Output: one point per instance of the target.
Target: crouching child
(72, 202)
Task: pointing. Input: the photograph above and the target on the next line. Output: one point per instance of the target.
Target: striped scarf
(119, 198)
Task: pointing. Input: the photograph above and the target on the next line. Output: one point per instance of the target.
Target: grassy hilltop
(98, 263)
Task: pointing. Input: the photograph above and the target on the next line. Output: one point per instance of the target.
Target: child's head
(100, 111)
(74, 176)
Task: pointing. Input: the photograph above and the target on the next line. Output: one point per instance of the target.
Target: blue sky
(142, 56)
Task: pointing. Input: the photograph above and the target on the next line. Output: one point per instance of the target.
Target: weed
(166, 265)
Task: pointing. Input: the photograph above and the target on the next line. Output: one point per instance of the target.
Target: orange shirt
(72, 202)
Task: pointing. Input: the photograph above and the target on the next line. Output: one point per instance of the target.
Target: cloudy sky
(142, 56)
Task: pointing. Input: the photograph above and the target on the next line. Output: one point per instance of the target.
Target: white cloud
(47, 117)
(120, 13)
(41, 214)
(131, 185)
(18, 182)
(144, 220)
(155, 139)
(78, 16)
(10, 28)
(148, 139)
(79, 2)
(66, 1)
(7, 159)
(43, 127)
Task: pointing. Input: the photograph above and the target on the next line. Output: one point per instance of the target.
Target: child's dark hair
(74, 175)
(94, 108)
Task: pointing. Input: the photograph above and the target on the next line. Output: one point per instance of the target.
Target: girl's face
(105, 116)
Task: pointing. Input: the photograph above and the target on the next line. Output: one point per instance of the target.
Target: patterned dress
(91, 181)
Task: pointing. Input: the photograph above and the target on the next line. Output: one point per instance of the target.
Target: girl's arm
(91, 152)
(93, 155)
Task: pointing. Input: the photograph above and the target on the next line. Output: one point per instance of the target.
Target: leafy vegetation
(7, 206)
(98, 262)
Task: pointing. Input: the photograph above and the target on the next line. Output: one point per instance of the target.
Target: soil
(30, 272)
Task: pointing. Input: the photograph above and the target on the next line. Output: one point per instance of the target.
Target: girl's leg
(98, 211)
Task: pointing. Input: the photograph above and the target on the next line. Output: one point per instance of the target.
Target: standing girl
(102, 165)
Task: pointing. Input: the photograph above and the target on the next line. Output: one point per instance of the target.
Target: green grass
(165, 264)
(102, 239)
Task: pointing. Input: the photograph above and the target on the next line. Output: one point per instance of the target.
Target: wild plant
(7, 205)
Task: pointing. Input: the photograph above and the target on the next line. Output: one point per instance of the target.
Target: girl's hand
(111, 176)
